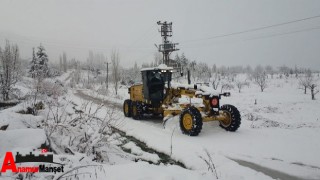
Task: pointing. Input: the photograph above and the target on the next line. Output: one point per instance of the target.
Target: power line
(252, 30)
(283, 34)
(264, 37)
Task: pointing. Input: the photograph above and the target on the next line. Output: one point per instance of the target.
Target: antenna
(166, 47)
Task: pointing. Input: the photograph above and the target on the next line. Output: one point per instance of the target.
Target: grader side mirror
(227, 94)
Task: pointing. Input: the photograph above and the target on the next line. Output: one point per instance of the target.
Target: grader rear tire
(191, 121)
(127, 110)
(234, 118)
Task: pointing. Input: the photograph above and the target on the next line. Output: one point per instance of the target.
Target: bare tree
(192, 68)
(313, 88)
(10, 71)
(76, 75)
(305, 81)
(115, 61)
(157, 58)
(64, 57)
(284, 70)
(203, 72)
(309, 81)
(260, 78)
(215, 81)
(214, 68)
(226, 85)
(269, 70)
(240, 84)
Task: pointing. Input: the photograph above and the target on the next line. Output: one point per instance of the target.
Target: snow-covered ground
(280, 133)
(278, 138)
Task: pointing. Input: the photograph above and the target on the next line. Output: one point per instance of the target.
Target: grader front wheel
(191, 121)
(233, 118)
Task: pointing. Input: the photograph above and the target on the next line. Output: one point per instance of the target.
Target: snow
(279, 133)
(138, 151)
(143, 170)
(160, 67)
(14, 140)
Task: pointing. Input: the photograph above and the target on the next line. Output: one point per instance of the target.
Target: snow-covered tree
(34, 65)
(184, 60)
(76, 75)
(203, 72)
(226, 85)
(305, 81)
(314, 89)
(214, 68)
(135, 73)
(260, 78)
(240, 84)
(269, 70)
(115, 62)
(284, 70)
(309, 81)
(248, 70)
(39, 64)
(43, 61)
(192, 68)
(157, 58)
(10, 71)
(215, 80)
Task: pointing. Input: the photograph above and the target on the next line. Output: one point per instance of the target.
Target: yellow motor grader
(156, 96)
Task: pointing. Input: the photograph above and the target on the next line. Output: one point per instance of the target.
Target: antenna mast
(166, 47)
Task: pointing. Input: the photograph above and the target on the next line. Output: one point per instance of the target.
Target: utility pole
(166, 47)
(107, 78)
(189, 80)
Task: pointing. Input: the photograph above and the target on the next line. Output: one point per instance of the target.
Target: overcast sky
(77, 26)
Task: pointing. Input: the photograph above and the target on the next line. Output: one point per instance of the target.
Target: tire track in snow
(267, 171)
(96, 100)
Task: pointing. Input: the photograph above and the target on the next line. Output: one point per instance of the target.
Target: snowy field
(278, 133)
(278, 138)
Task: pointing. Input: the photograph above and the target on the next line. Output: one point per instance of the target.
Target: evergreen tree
(43, 61)
(39, 63)
(214, 68)
(177, 59)
(184, 61)
(34, 65)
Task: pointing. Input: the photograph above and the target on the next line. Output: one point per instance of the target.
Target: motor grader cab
(154, 82)
(156, 96)
(148, 97)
